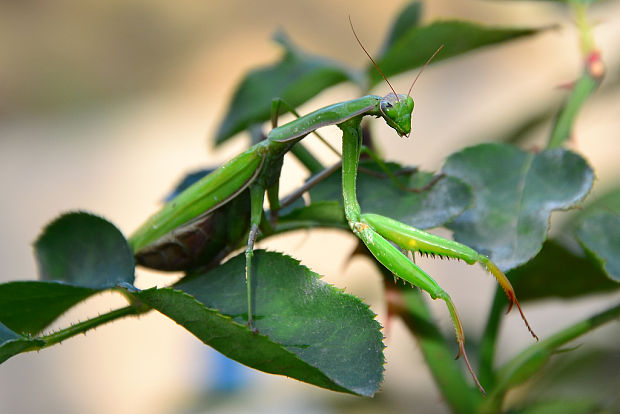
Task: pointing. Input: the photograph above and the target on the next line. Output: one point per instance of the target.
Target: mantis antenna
(423, 67)
(372, 60)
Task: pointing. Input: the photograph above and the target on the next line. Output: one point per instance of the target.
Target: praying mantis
(254, 173)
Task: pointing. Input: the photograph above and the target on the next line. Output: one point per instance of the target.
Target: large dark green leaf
(515, 193)
(84, 254)
(408, 17)
(296, 78)
(608, 201)
(307, 329)
(599, 234)
(12, 343)
(84, 250)
(29, 306)
(378, 194)
(416, 45)
(558, 272)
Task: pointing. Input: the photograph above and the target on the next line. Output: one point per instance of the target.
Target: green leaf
(408, 17)
(84, 250)
(28, 307)
(599, 234)
(376, 193)
(13, 344)
(515, 193)
(416, 45)
(296, 78)
(86, 254)
(608, 201)
(558, 272)
(307, 329)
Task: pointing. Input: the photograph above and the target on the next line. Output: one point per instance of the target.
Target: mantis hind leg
(257, 194)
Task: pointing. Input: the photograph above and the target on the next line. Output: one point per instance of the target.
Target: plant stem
(585, 30)
(587, 83)
(92, 323)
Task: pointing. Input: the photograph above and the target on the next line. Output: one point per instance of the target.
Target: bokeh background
(105, 105)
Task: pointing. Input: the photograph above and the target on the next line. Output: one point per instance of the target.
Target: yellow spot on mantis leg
(360, 228)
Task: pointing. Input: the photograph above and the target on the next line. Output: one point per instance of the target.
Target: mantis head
(396, 110)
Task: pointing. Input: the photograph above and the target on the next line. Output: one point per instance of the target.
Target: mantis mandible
(258, 170)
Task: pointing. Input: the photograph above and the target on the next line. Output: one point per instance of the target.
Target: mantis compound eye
(386, 107)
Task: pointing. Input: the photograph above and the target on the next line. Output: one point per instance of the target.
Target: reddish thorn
(566, 86)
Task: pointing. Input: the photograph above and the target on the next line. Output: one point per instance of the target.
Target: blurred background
(105, 105)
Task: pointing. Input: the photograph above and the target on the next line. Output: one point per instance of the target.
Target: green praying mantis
(193, 216)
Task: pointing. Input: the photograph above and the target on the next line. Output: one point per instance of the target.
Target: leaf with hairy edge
(414, 47)
(296, 78)
(515, 193)
(29, 306)
(307, 330)
(376, 193)
(84, 250)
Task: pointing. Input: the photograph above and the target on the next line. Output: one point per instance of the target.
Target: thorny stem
(89, 324)
(587, 83)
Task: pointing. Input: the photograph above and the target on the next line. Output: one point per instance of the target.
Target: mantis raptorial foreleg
(412, 239)
(374, 229)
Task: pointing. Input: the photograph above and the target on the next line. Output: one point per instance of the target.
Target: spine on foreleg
(395, 261)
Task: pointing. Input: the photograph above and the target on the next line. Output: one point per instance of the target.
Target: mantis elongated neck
(330, 115)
